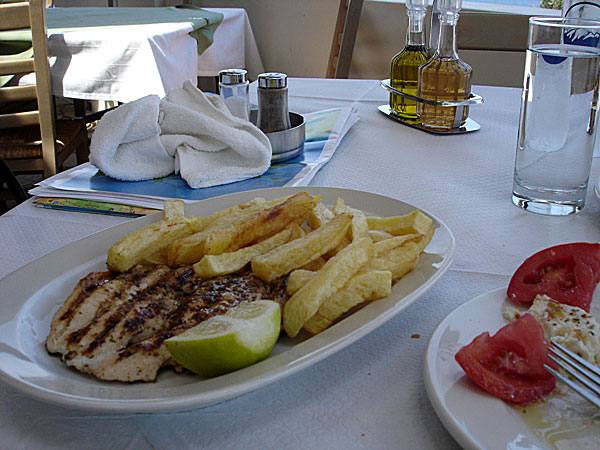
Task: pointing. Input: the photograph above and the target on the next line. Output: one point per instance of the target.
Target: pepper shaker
(273, 114)
(233, 89)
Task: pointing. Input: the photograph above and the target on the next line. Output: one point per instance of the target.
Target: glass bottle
(405, 65)
(434, 28)
(233, 89)
(445, 77)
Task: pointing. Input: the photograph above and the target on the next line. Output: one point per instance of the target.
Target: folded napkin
(186, 132)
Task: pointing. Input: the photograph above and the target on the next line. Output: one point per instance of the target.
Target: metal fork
(587, 375)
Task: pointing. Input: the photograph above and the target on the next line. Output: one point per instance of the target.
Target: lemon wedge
(244, 335)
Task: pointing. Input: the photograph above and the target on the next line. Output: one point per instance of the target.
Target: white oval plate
(30, 296)
(473, 417)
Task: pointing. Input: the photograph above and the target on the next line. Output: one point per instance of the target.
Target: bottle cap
(232, 76)
(272, 80)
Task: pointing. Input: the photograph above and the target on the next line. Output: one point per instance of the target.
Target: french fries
(400, 254)
(364, 286)
(315, 264)
(140, 244)
(148, 245)
(332, 276)
(225, 263)
(399, 261)
(360, 226)
(156, 258)
(319, 216)
(259, 225)
(174, 210)
(282, 260)
(385, 246)
(335, 259)
(378, 235)
(232, 231)
(414, 222)
(299, 278)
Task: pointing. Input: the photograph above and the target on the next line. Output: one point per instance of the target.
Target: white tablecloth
(370, 395)
(234, 46)
(125, 63)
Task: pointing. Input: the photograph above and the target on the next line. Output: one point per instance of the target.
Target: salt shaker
(233, 89)
(273, 114)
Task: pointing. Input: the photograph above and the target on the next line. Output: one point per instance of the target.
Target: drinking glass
(557, 124)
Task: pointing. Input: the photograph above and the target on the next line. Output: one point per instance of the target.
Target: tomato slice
(567, 273)
(510, 364)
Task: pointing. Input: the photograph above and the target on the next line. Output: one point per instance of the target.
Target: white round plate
(30, 296)
(473, 417)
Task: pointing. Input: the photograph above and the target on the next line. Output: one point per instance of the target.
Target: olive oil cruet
(405, 65)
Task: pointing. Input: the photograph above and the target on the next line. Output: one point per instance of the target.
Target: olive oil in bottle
(445, 77)
(405, 65)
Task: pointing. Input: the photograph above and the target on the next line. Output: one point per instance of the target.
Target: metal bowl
(286, 144)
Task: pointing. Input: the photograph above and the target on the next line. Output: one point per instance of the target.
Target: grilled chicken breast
(113, 325)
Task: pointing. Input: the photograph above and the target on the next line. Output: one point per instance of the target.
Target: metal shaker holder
(469, 125)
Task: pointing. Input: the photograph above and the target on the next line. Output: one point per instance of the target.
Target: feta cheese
(567, 325)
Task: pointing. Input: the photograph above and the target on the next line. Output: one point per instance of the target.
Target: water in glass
(557, 128)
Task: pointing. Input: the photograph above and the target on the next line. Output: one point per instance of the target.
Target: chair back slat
(14, 16)
(17, 93)
(24, 65)
(20, 119)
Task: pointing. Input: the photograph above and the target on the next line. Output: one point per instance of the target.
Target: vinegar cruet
(445, 77)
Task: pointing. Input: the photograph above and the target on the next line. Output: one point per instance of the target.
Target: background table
(371, 394)
(126, 53)
(234, 46)
(122, 54)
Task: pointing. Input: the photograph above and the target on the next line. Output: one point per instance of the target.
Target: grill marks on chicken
(91, 297)
(114, 326)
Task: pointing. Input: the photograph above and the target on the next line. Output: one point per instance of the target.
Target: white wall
(293, 36)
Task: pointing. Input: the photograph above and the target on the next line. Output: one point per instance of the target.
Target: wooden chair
(31, 139)
(344, 38)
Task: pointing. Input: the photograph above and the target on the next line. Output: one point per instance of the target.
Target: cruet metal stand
(469, 125)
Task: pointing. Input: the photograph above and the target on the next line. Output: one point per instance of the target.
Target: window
(514, 5)
(527, 7)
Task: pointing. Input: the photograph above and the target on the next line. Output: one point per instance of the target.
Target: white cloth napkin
(186, 132)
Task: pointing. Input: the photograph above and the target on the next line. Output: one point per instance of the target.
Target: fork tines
(587, 375)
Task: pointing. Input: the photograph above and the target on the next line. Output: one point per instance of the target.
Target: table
(143, 50)
(122, 54)
(234, 46)
(371, 394)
